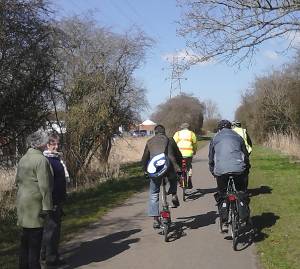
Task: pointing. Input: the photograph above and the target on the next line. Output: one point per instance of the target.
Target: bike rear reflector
(165, 214)
(231, 197)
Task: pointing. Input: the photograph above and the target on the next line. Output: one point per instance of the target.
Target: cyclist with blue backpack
(160, 159)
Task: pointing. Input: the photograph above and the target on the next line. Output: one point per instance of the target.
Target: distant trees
(27, 68)
(211, 116)
(179, 109)
(273, 104)
(233, 30)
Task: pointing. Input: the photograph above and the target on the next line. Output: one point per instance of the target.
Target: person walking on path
(156, 146)
(34, 180)
(51, 235)
(187, 143)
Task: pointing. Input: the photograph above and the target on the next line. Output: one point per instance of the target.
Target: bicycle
(234, 221)
(165, 214)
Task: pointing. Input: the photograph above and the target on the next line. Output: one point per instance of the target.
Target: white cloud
(272, 55)
(184, 56)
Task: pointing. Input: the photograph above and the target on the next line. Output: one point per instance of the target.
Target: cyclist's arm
(145, 158)
(176, 137)
(249, 141)
(194, 141)
(211, 154)
(246, 155)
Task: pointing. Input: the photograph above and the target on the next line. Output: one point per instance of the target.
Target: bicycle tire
(166, 231)
(234, 226)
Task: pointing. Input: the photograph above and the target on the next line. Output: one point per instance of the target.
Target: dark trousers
(31, 240)
(240, 182)
(51, 236)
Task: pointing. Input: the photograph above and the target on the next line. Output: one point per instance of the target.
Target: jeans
(51, 236)
(31, 240)
(155, 189)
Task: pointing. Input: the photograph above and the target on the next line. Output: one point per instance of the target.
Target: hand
(45, 214)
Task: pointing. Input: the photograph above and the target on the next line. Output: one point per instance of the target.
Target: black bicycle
(234, 222)
(165, 214)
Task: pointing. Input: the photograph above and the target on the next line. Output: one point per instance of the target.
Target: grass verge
(82, 208)
(275, 187)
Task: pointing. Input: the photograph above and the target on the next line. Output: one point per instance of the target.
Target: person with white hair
(34, 180)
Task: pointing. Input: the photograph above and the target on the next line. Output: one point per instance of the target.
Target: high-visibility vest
(242, 132)
(186, 141)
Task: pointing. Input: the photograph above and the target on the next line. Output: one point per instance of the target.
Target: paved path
(124, 238)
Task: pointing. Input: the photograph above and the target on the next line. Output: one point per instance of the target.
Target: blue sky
(216, 81)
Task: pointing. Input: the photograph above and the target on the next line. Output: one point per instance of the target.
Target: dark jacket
(59, 180)
(158, 144)
(228, 153)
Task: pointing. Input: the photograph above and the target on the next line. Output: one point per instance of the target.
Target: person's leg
(54, 231)
(23, 256)
(222, 182)
(35, 242)
(154, 197)
(189, 161)
(172, 178)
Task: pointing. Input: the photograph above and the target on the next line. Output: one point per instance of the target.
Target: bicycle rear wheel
(234, 225)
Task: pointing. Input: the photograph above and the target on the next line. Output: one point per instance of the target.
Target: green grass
(275, 205)
(82, 208)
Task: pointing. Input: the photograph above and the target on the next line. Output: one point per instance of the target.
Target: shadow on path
(260, 190)
(265, 220)
(197, 193)
(101, 249)
(192, 222)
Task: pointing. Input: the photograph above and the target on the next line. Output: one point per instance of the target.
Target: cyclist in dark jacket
(228, 155)
(160, 143)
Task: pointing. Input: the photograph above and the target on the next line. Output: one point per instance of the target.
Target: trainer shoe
(156, 224)
(175, 200)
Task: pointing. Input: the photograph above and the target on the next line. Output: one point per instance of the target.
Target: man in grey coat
(34, 181)
(228, 155)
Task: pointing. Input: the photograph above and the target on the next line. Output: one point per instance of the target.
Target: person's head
(224, 124)
(184, 125)
(236, 124)
(53, 142)
(38, 140)
(159, 129)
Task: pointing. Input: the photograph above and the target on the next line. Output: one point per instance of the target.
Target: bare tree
(233, 30)
(98, 87)
(211, 116)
